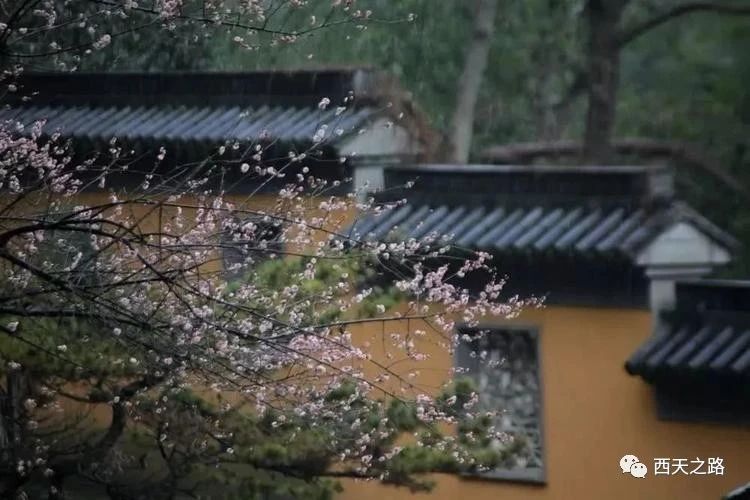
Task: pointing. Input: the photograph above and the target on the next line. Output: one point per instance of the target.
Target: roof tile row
(537, 228)
(182, 123)
(714, 348)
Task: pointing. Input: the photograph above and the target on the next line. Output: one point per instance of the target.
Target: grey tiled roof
(717, 348)
(216, 123)
(577, 228)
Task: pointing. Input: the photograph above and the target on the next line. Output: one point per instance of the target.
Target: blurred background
(680, 93)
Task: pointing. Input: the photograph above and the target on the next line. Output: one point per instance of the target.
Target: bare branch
(628, 35)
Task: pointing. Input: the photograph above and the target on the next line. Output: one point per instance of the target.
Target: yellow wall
(594, 413)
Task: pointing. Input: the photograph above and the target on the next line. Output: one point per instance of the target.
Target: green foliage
(277, 274)
(341, 393)
(51, 344)
(690, 74)
(403, 416)
(457, 396)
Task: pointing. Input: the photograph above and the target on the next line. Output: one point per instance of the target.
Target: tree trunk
(603, 18)
(475, 63)
(12, 419)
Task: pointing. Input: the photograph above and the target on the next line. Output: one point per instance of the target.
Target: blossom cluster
(225, 326)
(282, 325)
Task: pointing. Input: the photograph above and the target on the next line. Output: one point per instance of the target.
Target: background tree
(477, 52)
(607, 38)
(678, 95)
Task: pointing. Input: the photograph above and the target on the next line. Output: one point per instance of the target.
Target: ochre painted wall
(594, 413)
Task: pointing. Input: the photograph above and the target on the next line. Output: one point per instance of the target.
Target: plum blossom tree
(137, 362)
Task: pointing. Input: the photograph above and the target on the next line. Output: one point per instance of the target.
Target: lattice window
(505, 366)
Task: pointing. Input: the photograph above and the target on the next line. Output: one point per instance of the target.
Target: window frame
(532, 476)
